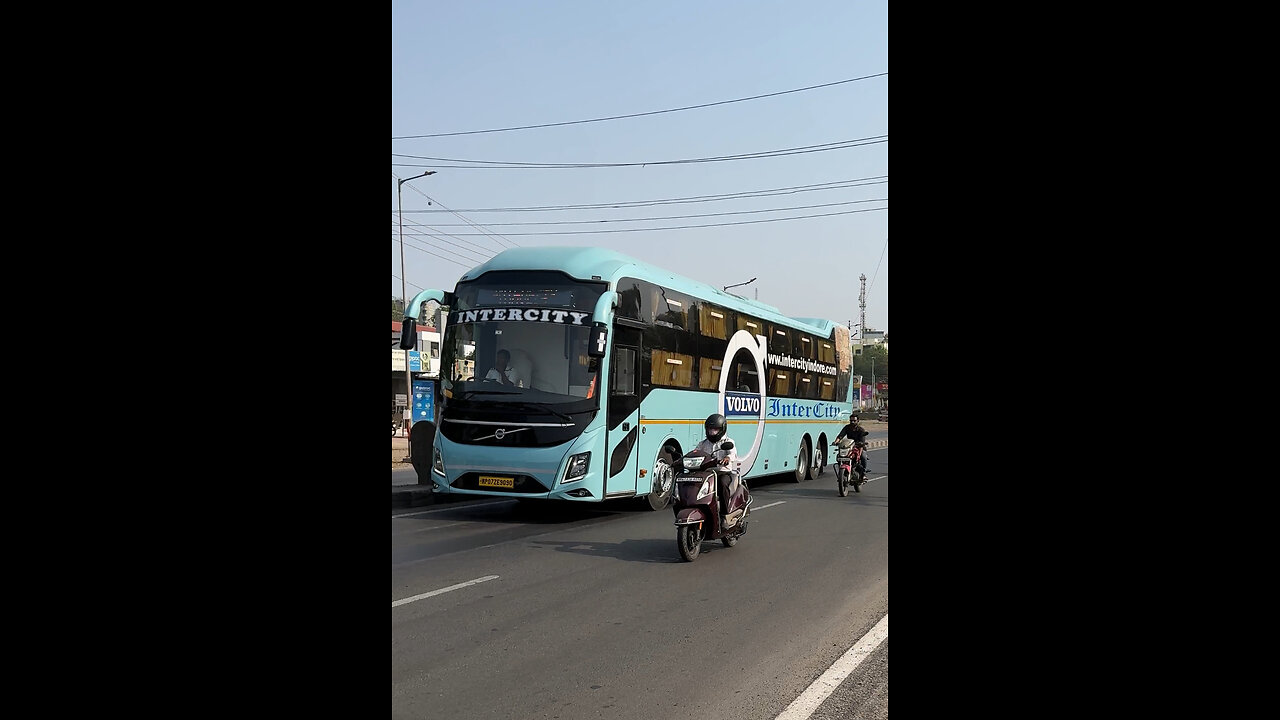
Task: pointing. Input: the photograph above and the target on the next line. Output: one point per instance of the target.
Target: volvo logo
(499, 433)
(735, 404)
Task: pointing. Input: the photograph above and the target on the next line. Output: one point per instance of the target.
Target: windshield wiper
(470, 393)
(544, 408)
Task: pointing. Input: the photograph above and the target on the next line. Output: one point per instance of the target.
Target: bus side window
(624, 365)
(780, 383)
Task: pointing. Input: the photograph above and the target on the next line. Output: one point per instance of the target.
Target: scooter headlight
(708, 487)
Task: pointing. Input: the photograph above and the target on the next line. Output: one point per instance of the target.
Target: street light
(873, 382)
(404, 291)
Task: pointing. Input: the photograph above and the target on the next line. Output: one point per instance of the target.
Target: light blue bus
(611, 367)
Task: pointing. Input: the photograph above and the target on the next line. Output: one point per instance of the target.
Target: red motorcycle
(849, 467)
(697, 505)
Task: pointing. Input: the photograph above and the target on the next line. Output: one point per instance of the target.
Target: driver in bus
(502, 371)
(717, 432)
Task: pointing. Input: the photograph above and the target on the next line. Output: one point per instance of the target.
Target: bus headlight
(437, 462)
(578, 465)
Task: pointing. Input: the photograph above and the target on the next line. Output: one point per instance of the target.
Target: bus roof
(586, 263)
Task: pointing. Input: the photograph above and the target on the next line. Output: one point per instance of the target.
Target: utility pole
(862, 302)
(404, 290)
(873, 382)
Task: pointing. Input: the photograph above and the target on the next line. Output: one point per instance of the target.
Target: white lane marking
(445, 509)
(437, 527)
(451, 588)
(767, 506)
(803, 706)
(877, 478)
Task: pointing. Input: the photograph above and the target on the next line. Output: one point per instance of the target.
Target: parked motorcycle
(697, 503)
(849, 466)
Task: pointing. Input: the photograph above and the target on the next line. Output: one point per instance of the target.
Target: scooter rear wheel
(689, 540)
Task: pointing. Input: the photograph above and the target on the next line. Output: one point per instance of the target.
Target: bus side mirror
(408, 333)
(598, 341)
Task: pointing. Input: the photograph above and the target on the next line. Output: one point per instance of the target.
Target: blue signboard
(415, 362)
(424, 401)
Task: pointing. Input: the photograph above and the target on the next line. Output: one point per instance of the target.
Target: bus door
(623, 421)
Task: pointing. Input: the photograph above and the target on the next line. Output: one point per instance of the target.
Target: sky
(460, 68)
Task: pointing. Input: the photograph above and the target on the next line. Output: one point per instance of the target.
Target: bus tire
(664, 479)
(820, 457)
(802, 463)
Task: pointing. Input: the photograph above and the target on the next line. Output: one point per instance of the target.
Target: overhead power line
(464, 219)
(431, 229)
(642, 114)
(461, 252)
(873, 275)
(834, 185)
(415, 247)
(682, 227)
(677, 217)
(513, 165)
(398, 277)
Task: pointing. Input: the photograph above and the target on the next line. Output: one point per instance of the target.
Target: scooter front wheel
(689, 540)
(841, 486)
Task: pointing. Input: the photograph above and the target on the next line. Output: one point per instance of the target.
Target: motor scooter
(849, 467)
(697, 503)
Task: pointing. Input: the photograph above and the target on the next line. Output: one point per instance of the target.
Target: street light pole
(404, 292)
(873, 382)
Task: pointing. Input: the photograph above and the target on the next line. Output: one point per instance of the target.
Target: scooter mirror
(726, 445)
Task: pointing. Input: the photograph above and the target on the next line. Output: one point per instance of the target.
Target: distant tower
(862, 302)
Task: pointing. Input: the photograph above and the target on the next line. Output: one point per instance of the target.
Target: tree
(397, 309)
(862, 363)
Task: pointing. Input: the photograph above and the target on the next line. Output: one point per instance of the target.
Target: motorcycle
(697, 503)
(848, 467)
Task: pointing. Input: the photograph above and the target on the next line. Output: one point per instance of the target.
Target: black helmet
(715, 427)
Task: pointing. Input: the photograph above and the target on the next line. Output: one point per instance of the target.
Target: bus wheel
(802, 463)
(820, 458)
(663, 480)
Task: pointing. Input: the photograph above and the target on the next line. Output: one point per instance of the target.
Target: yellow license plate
(498, 482)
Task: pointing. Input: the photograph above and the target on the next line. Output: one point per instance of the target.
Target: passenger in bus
(502, 371)
(717, 432)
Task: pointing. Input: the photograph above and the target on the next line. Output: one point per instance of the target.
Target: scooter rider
(857, 434)
(717, 432)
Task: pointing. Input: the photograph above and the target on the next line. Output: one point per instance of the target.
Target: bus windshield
(521, 337)
(541, 362)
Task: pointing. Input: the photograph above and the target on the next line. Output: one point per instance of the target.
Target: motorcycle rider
(856, 433)
(716, 427)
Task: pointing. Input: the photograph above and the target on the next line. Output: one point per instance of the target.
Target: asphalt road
(503, 609)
